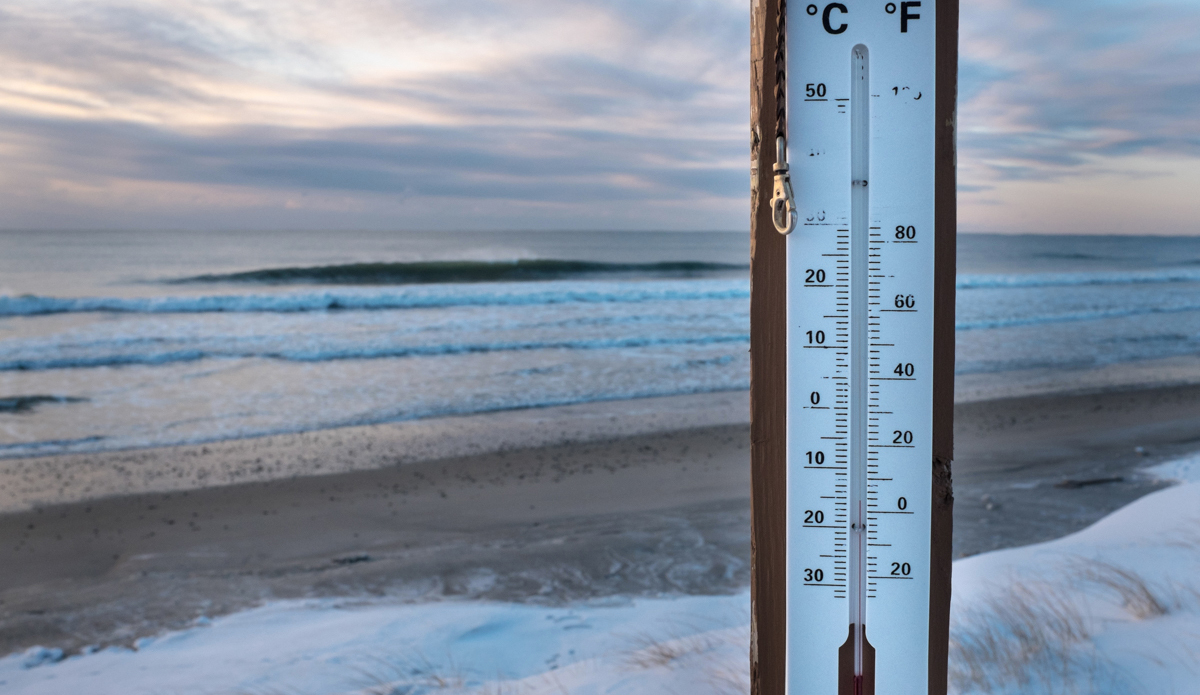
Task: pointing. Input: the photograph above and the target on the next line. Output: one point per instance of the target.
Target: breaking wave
(318, 354)
(1115, 313)
(430, 272)
(400, 298)
(990, 281)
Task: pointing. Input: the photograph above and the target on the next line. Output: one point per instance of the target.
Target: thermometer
(862, 263)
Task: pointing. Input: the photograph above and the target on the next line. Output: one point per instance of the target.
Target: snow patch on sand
(1181, 470)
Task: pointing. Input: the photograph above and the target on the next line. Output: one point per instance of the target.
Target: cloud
(597, 103)
(1048, 88)
(506, 113)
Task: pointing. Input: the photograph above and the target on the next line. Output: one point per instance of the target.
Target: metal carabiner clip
(783, 203)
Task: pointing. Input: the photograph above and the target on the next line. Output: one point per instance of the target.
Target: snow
(329, 646)
(1181, 470)
(1113, 608)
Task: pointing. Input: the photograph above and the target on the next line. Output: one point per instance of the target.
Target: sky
(1075, 116)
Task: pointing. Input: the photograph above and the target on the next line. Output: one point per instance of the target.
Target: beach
(411, 348)
(645, 497)
(285, 441)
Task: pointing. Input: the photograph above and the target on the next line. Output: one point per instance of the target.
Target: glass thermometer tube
(860, 130)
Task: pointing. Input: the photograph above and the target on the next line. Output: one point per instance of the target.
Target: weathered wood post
(768, 369)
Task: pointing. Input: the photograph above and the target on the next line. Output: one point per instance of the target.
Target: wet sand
(28, 483)
(642, 497)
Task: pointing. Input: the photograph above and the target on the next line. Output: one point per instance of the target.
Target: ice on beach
(36, 656)
(1114, 608)
(1181, 470)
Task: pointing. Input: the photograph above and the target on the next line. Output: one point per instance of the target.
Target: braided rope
(781, 71)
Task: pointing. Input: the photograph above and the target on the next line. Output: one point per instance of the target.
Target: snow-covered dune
(1114, 608)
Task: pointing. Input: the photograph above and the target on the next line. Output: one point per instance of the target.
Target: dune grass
(1037, 636)
(1029, 636)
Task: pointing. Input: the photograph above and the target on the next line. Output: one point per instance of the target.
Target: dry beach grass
(1037, 635)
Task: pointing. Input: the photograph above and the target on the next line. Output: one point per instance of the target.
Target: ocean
(120, 339)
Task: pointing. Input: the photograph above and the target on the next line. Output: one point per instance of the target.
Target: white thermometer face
(861, 128)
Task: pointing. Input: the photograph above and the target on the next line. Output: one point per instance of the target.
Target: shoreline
(38, 481)
(561, 504)
(1165, 372)
(29, 482)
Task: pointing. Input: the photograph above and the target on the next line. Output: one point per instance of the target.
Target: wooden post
(945, 233)
(768, 362)
(768, 371)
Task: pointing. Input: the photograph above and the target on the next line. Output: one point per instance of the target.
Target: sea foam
(430, 296)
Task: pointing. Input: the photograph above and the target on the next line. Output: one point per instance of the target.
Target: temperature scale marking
(860, 348)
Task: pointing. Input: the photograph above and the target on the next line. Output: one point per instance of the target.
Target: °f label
(861, 130)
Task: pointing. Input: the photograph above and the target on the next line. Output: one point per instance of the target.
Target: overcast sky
(1075, 116)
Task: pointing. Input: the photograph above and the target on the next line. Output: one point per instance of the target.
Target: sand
(638, 515)
(626, 498)
(28, 483)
